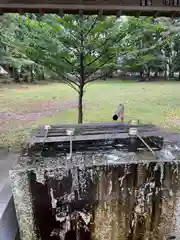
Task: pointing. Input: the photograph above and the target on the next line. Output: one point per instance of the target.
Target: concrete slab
(8, 220)
(6, 162)
(5, 196)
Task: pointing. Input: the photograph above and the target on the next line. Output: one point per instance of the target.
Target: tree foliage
(78, 49)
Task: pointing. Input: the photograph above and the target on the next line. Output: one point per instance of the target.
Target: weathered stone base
(89, 198)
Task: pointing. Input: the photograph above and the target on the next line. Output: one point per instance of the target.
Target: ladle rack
(93, 137)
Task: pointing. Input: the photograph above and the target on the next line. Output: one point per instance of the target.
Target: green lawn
(157, 103)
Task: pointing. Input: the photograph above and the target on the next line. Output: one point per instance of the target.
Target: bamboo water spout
(119, 113)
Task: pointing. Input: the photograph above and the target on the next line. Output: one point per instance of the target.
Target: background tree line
(50, 46)
(78, 49)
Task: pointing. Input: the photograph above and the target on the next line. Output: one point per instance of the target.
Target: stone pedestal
(96, 196)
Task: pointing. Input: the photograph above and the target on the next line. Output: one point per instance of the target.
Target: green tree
(79, 49)
(149, 42)
(11, 59)
(74, 47)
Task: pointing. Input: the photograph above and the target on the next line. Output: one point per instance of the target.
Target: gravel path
(32, 112)
(39, 110)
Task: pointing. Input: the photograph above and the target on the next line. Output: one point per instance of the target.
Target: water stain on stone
(142, 206)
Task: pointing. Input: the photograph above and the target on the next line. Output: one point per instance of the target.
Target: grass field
(25, 106)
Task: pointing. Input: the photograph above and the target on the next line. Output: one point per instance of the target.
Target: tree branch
(71, 64)
(72, 44)
(95, 59)
(112, 56)
(68, 81)
(70, 85)
(67, 61)
(57, 72)
(92, 26)
(94, 79)
(95, 39)
(103, 51)
(73, 36)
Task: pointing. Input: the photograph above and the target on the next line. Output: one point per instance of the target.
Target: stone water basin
(102, 195)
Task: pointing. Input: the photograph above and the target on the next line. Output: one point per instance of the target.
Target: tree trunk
(171, 75)
(16, 75)
(82, 77)
(165, 74)
(43, 75)
(156, 74)
(148, 74)
(80, 106)
(32, 74)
